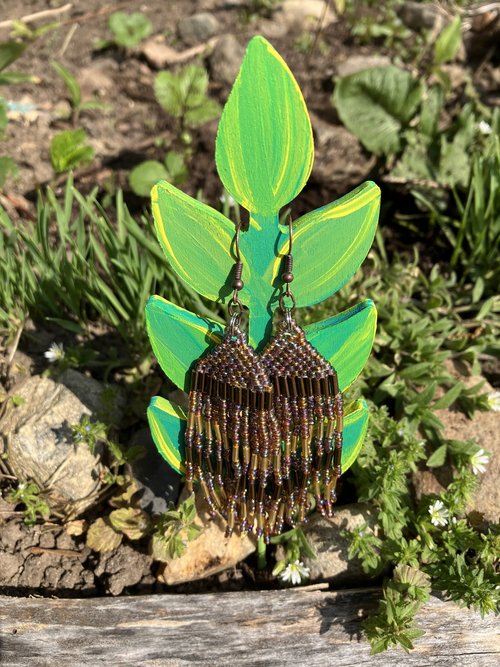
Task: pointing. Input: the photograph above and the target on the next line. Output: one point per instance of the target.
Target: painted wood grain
(293, 627)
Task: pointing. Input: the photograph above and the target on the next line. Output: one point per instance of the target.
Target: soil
(45, 559)
(124, 133)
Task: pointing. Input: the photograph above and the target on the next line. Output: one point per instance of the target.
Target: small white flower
(294, 573)
(494, 401)
(227, 198)
(439, 513)
(55, 352)
(484, 128)
(479, 461)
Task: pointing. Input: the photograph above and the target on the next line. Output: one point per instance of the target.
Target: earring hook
(288, 311)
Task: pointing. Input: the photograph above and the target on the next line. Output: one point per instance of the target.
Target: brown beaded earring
(309, 410)
(232, 436)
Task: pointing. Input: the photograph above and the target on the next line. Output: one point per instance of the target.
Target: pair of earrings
(264, 431)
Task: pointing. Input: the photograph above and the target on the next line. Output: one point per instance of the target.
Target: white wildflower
(494, 401)
(225, 198)
(484, 128)
(479, 460)
(55, 352)
(295, 572)
(439, 513)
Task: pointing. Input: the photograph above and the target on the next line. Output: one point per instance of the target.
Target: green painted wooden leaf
(355, 425)
(178, 338)
(167, 423)
(196, 240)
(330, 244)
(264, 148)
(346, 340)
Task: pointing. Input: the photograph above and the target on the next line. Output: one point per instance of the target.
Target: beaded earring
(232, 436)
(309, 410)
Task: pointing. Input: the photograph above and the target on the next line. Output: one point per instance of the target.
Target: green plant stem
(261, 554)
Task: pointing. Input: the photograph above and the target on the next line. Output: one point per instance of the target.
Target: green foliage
(3, 115)
(77, 264)
(74, 92)
(173, 530)
(10, 52)
(295, 548)
(132, 522)
(183, 95)
(8, 168)
(470, 231)
(145, 176)
(377, 104)
(405, 375)
(89, 432)
(72, 85)
(102, 537)
(35, 508)
(69, 149)
(448, 43)
(129, 29)
(403, 596)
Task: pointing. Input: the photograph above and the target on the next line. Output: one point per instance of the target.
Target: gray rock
(197, 28)
(226, 58)
(340, 158)
(158, 482)
(122, 568)
(418, 15)
(296, 16)
(358, 63)
(10, 564)
(38, 441)
(98, 78)
(332, 562)
(303, 14)
(210, 553)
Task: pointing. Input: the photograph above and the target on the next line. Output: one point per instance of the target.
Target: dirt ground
(124, 133)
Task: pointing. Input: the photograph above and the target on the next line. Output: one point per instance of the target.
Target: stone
(9, 567)
(303, 14)
(38, 441)
(160, 55)
(97, 78)
(210, 553)
(340, 158)
(418, 16)
(123, 568)
(296, 16)
(332, 563)
(197, 28)
(226, 58)
(158, 483)
(358, 63)
(484, 429)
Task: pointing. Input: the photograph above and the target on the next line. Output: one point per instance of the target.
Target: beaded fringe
(263, 432)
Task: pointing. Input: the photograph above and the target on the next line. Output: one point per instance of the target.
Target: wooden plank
(290, 627)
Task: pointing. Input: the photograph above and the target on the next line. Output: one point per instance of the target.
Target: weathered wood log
(300, 627)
